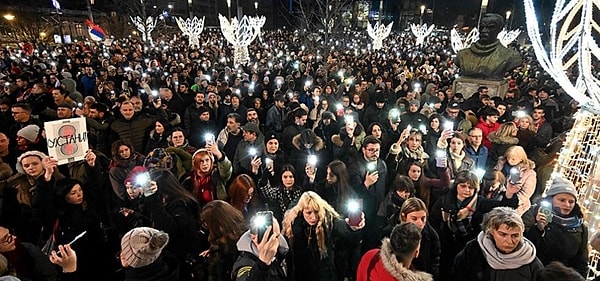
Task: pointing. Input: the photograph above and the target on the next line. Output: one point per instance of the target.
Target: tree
(321, 21)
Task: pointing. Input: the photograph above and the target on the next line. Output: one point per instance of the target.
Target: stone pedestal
(468, 86)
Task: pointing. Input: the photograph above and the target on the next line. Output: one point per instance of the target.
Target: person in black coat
(414, 210)
(457, 216)
(311, 226)
(500, 252)
(141, 256)
(557, 228)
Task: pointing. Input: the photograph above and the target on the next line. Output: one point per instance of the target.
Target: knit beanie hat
(560, 185)
(19, 166)
(141, 246)
(271, 136)
(29, 132)
(137, 170)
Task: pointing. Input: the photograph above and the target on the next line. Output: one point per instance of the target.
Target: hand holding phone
(260, 222)
(515, 175)
(355, 208)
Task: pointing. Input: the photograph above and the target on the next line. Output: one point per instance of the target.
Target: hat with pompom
(141, 246)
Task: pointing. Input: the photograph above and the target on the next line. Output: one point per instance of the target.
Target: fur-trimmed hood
(502, 140)
(297, 142)
(395, 268)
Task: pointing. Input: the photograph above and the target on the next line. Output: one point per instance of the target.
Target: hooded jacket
(248, 267)
(71, 87)
(382, 265)
(499, 146)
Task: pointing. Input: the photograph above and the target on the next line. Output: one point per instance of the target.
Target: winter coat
(307, 263)
(454, 234)
(528, 181)
(429, 250)
(564, 243)
(479, 157)
(165, 268)
(248, 267)
(343, 148)
(499, 146)
(299, 156)
(382, 265)
(135, 129)
(156, 141)
(219, 177)
(471, 264)
(486, 130)
(178, 218)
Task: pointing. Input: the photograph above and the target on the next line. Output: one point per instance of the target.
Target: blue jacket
(479, 157)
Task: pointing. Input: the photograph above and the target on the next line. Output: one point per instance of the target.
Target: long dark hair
(338, 168)
(170, 188)
(422, 191)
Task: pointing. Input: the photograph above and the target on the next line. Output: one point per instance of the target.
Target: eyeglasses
(7, 239)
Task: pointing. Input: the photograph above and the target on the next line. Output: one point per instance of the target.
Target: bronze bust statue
(487, 58)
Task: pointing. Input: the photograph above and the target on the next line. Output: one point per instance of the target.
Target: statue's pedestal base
(468, 86)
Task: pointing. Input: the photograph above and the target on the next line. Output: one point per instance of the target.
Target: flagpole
(89, 8)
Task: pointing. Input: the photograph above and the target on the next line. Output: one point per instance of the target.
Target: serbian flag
(96, 32)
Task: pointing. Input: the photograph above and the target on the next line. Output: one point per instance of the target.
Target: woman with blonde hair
(310, 227)
(519, 172)
(502, 139)
(526, 130)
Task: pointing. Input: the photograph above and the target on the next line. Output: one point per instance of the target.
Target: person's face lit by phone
(287, 179)
(414, 172)
(565, 202)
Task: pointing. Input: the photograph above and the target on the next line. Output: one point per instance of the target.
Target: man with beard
(368, 176)
(231, 135)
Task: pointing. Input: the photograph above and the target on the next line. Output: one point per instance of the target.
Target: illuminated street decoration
(378, 32)
(145, 28)
(506, 37)
(421, 31)
(192, 28)
(240, 34)
(569, 62)
(459, 43)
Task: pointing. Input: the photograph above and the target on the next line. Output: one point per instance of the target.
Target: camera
(260, 223)
(354, 208)
(154, 95)
(546, 210)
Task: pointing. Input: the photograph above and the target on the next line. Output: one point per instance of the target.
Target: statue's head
(491, 25)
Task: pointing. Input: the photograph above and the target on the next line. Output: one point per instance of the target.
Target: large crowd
(338, 164)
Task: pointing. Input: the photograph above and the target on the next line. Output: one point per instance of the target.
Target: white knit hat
(141, 246)
(19, 166)
(29, 132)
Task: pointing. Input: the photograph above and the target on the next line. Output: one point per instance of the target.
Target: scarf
(203, 188)
(524, 253)
(418, 154)
(570, 222)
(457, 158)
